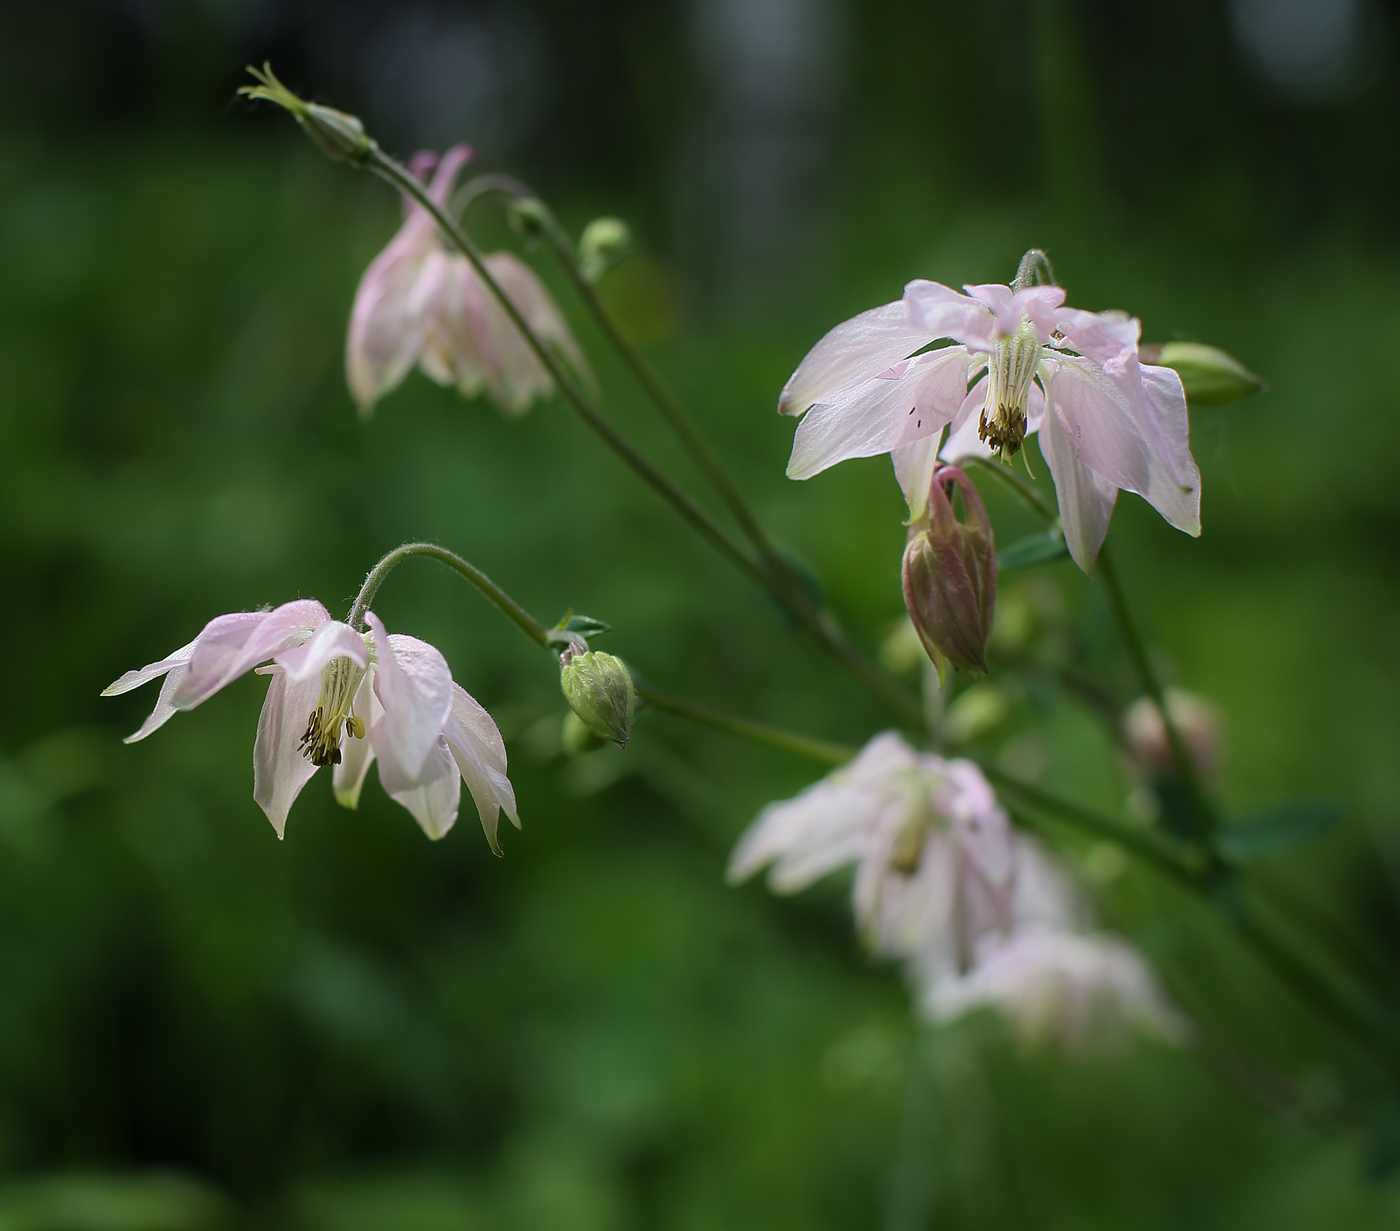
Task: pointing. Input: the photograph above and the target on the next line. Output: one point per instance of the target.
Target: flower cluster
(978, 914)
(342, 698)
(1004, 364)
(419, 303)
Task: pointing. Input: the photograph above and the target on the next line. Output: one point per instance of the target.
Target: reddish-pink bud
(950, 575)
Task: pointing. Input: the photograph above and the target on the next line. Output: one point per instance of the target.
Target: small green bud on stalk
(339, 135)
(605, 241)
(527, 219)
(1209, 376)
(599, 690)
(950, 576)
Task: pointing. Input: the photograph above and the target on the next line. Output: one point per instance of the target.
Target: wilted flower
(1195, 717)
(342, 698)
(950, 575)
(1056, 986)
(934, 853)
(420, 303)
(1105, 420)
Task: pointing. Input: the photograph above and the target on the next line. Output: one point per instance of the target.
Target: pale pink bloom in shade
(1013, 363)
(934, 853)
(1196, 718)
(420, 303)
(1059, 987)
(471, 342)
(342, 698)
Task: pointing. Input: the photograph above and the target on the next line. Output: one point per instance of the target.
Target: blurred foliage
(358, 1029)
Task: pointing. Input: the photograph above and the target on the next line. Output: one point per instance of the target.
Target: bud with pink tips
(950, 574)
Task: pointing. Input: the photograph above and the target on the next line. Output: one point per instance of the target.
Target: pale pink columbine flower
(420, 303)
(1056, 986)
(1015, 362)
(934, 853)
(342, 698)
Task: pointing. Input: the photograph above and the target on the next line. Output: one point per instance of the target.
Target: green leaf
(586, 625)
(1043, 547)
(1278, 829)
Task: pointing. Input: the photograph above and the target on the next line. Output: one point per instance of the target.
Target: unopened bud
(1209, 376)
(527, 218)
(1197, 720)
(950, 575)
(598, 689)
(338, 134)
(605, 241)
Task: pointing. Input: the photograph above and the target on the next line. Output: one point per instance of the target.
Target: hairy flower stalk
(355, 698)
(1005, 362)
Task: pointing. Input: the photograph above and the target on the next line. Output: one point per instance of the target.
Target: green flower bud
(339, 135)
(527, 219)
(598, 688)
(1209, 376)
(604, 243)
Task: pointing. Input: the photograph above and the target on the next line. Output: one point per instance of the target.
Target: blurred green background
(359, 1030)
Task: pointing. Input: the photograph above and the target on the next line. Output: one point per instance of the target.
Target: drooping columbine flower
(934, 853)
(342, 698)
(1059, 987)
(1106, 421)
(419, 303)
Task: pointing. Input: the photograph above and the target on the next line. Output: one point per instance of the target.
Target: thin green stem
(791, 596)
(1142, 661)
(1008, 478)
(521, 618)
(789, 741)
(1029, 273)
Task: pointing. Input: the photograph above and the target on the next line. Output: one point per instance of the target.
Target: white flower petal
(476, 746)
(432, 795)
(860, 347)
(913, 467)
(877, 415)
(331, 640)
(279, 769)
(1098, 421)
(1086, 500)
(414, 685)
(1174, 481)
(233, 644)
(134, 679)
(947, 313)
(164, 709)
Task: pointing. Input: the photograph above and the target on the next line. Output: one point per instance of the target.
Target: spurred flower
(1106, 421)
(934, 853)
(420, 303)
(1060, 987)
(342, 698)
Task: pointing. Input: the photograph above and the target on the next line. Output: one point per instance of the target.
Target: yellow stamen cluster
(320, 742)
(1009, 376)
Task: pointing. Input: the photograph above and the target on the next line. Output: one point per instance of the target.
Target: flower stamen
(1009, 376)
(320, 742)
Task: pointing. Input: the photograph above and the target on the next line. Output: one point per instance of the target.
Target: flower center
(1009, 376)
(320, 742)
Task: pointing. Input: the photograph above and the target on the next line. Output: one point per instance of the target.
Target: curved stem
(521, 618)
(785, 588)
(1032, 266)
(1007, 477)
(1142, 661)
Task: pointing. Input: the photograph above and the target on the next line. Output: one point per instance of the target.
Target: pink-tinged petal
(1098, 419)
(525, 290)
(231, 645)
(164, 709)
(414, 685)
(476, 746)
(855, 350)
(279, 769)
(1036, 304)
(432, 795)
(1104, 337)
(880, 414)
(387, 322)
(449, 166)
(1085, 499)
(913, 467)
(331, 640)
(356, 755)
(981, 824)
(1174, 482)
(963, 440)
(134, 679)
(947, 313)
